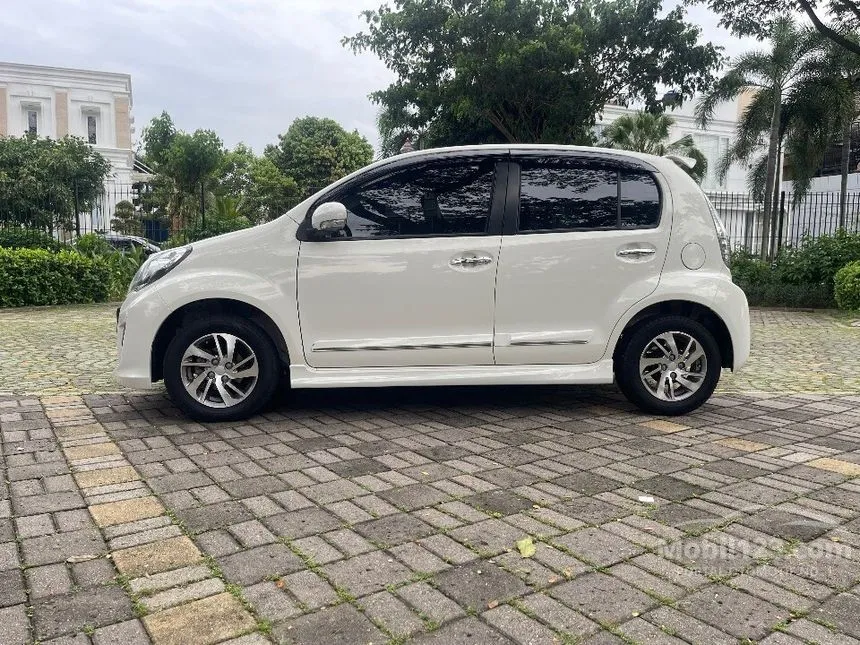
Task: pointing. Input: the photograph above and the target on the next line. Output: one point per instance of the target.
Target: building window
(32, 122)
(91, 129)
(714, 147)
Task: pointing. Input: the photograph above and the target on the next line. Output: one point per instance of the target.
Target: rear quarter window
(640, 200)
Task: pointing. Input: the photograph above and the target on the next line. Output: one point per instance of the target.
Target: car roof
(653, 161)
(515, 148)
(121, 236)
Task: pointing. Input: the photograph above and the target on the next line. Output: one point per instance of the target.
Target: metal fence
(69, 212)
(814, 215)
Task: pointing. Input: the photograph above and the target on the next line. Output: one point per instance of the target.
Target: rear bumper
(731, 303)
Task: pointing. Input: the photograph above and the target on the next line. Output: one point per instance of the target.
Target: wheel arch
(689, 309)
(210, 307)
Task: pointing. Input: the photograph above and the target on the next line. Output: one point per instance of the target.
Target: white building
(55, 102)
(713, 142)
(730, 195)
(95, 106)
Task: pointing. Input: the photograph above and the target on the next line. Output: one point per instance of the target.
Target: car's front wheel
(221, 369)
(669, 365)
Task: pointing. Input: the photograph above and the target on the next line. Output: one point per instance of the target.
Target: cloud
(244, 68)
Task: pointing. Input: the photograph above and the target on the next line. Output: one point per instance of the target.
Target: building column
(4, 125)
(122, 118)
(61, 107)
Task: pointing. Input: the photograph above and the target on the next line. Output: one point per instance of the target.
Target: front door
(411, 280)
(587, 242)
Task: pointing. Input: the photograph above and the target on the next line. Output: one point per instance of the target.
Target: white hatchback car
(475, 265)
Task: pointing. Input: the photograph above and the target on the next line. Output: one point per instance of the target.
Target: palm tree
(649, 133)
(771, 75)
(823, 108)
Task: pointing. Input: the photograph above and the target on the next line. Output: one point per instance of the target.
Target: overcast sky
(244, 68)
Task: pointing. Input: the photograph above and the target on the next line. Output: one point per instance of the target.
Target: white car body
(546, 308)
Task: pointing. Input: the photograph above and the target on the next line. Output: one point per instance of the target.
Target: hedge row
(25, 238)
(809, 275)
(39, 277)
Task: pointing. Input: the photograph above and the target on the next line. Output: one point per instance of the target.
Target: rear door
(412, 282)
(588, 240)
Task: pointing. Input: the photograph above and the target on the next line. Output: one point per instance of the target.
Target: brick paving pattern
(393, 516)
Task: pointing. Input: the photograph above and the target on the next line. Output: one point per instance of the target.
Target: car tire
(659, 381)
(227, 386)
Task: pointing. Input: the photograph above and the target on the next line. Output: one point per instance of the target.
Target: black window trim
(498, 196)
(616, 163)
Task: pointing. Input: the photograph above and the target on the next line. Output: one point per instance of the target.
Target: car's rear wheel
(669, 365)
(221, 369)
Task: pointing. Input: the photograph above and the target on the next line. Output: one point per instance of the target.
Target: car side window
(429, 199)
(559, 195)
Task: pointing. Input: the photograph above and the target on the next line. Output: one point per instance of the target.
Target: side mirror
(329, 217)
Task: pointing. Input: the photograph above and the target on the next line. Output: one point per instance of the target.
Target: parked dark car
(127, 243)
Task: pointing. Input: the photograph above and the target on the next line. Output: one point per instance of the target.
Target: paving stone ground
(392, 516)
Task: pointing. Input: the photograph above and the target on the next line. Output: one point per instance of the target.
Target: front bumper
(137, 323)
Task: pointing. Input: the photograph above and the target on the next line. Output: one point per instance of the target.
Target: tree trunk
(772, 153)
(846, 160)
(176, 216)
(775, 201)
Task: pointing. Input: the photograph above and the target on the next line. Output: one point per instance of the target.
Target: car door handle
(470, 261)
(638, 252)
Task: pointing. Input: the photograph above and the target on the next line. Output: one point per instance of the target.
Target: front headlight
(157, 266)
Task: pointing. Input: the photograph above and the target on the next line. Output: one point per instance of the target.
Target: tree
(771, 75)
(271, 192)
(262, 191)
(44, 183)
(649, 133)
(525, 70)
(316, 151)
(823, 108)
(186, 161)
(125, 220)
(831, 18)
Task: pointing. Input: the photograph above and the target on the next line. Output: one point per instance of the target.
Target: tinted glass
(563, 196)
(430, 199)
(640, 200)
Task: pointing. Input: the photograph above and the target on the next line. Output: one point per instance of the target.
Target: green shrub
(121, 265)
(93, 245)
(25, 238)
(816, 261)
(781, 294)
(847, 286)
(748, 269)
(39, 277)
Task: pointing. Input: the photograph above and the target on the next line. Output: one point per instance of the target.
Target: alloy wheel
(673, 366)
(219, 370)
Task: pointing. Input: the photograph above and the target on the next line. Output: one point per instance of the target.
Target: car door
(411, 281)
(588, 240)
